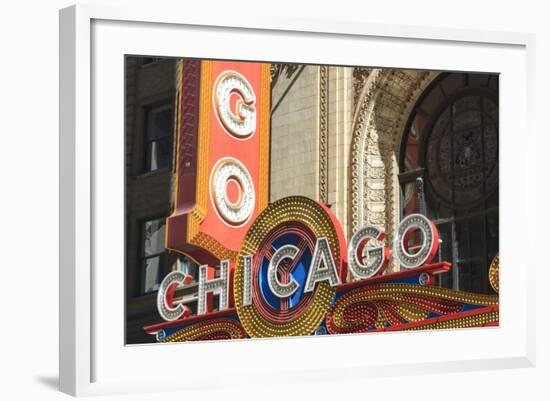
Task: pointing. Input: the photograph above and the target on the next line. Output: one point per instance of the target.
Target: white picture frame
(93, 358)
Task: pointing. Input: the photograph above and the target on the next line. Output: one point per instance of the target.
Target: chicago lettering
(365, 260)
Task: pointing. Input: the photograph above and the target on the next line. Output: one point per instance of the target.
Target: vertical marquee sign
(222, 157)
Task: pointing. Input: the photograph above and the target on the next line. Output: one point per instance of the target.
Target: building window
(153, 254)
(158, 137)
(187, 266)
(449, 164)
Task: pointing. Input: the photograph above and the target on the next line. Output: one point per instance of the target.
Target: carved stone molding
(381, 113)
(323, 133)
(276, 70)
(360, 76)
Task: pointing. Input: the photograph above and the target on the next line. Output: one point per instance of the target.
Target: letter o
(234, 213)
(430, 241)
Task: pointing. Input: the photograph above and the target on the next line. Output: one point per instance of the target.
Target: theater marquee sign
(283, 269)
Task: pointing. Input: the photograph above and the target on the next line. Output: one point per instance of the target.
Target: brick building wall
(149, 82)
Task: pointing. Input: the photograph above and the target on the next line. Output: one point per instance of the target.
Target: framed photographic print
(344, 192)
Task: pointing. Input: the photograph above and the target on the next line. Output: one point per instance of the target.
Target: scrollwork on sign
(405, 305)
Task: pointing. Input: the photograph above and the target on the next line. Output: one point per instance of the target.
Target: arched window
(449, 172)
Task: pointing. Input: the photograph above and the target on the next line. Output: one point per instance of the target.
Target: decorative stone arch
(383, 108)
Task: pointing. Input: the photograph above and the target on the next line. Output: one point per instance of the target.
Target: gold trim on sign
(197, 215)
(312, 215)
(264, 129)
(494, 273)
(205, 111)
(200, 330)
(203, 142)
(178, 131)
(461, 322)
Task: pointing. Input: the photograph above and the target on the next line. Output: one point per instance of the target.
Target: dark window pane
(159, 122)
(457, 150)
(158, 137)
(151, 270)
(158, 154)
(409, 198)
(153, 237)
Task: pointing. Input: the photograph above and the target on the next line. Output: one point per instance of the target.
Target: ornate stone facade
(340, 119)
(379, 122)
(356, 117)
(323, 133)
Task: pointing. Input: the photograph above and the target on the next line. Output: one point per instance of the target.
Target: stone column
(340, 109)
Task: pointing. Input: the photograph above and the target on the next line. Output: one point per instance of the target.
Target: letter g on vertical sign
(240, 120)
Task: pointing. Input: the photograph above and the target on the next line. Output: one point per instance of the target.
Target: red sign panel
(222, 162)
